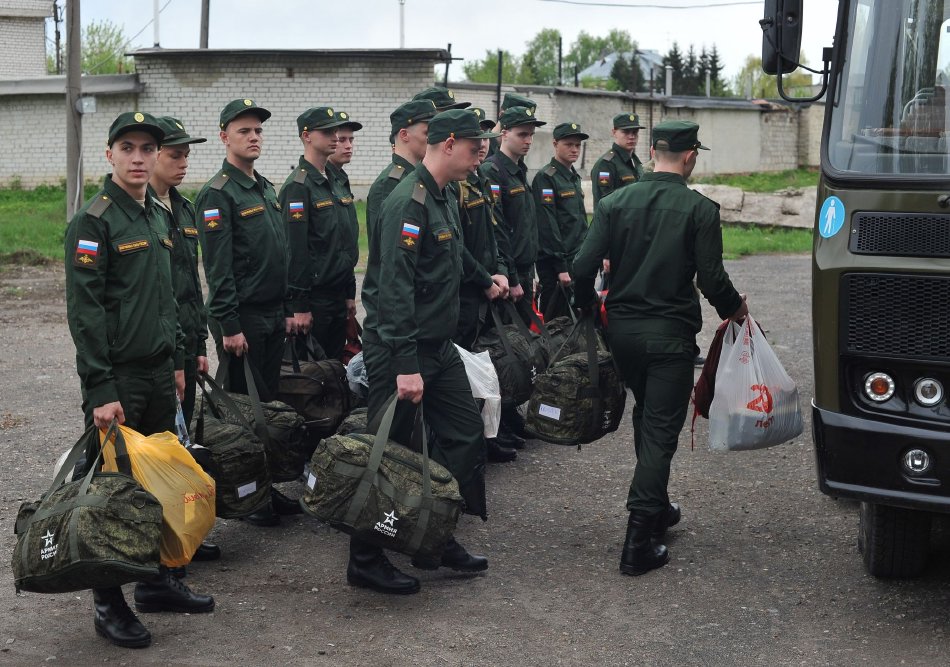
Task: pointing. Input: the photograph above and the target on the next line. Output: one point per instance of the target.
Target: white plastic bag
(756, 402)
(356, 376)
(484, 380)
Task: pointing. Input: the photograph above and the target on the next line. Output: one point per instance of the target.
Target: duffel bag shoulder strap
(260, 421)
(216, 394)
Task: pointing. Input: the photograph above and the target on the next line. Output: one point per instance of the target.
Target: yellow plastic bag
(186, 492)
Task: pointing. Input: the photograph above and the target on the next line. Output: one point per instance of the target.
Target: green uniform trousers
(658, 368)
(191, 387)
(265, 331)
(471, 311)
(329, 321)
(147, 394)
(552, 301)
(449, 410)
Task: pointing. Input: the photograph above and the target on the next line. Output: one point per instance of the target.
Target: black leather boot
(508, 439)
(284, 505)
(495, 453)
(168, 593)
(455, 557)
(207, 551)
(512, 421)
(667, 519)
(369, 568)
(116, 622)
(264, 517)
(640, 553)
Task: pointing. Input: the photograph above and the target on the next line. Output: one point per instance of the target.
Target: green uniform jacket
(349, 201)
(120, 302)
(421, 261)
(562, 219)
(480, 259)
(243, 245)
(192, 312)
(384, 184)
(322, 237)
(613, 171)
(659, 234)
(518, 226)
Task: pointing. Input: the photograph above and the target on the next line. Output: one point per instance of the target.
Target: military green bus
(881, 267)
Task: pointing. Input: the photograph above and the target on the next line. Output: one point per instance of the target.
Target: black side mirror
(781, 36)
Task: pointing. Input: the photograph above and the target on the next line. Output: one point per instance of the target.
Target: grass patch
(738, 241)
(764, 181)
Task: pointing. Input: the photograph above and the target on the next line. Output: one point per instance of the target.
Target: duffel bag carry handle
(561, 293)
(216, 393)
(593, 369)
(522, 327)
(260, 422)
(368, 479)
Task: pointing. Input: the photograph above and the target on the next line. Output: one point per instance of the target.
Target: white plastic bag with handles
(484, 381)
(756, 402)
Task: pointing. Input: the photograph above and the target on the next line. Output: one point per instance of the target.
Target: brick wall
(195, 90)
(22, 46)
(778, 145)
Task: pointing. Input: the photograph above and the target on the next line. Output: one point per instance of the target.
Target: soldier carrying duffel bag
(580, 397)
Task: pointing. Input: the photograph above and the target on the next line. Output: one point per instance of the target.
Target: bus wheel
(894, 541)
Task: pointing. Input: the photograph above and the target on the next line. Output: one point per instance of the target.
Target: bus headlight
(879, 387)
(928, 392)
(917, 461)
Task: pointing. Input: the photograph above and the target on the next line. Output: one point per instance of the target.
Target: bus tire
(894, 542)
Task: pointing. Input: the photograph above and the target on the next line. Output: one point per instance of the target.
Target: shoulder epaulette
(419, 194)
(397, 172)
(609, 155)
(218, 181)
(98, 207)
(300, 176)
(711, 201)
(551, 170)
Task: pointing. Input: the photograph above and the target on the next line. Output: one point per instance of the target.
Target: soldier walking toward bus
(660, 235)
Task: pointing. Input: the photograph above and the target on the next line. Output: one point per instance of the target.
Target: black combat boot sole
(637, 571)
(154, 608)
(138, 643)
(363, 583)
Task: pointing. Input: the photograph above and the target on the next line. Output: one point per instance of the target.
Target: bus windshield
(891, 113)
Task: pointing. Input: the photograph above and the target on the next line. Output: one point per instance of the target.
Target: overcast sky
(471, 27)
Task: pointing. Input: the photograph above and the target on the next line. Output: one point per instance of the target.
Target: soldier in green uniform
(120, 304)
(410, 322)
(244, 250)
(170, 170)
(508, 101)
(619, 166)
(660, 234)
(518, 227)
(484, 274)
(442, 98)
(562, 220)
(322, 235)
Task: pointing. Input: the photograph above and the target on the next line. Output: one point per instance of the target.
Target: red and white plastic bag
(756, 402)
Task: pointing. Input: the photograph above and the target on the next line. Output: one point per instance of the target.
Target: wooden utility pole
(73, 116)
(59, 53)
(205, 14)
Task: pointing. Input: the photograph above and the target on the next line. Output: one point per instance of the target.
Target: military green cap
(135, 121)
(458, 124)
(416, 111)
(627, 121)
(484, 121)
(236, 108)
(677, 136)
(348, 122)
(319, 118)
(175, 134)
(516, 100)
(442, 98)
(564, 130)
(519, 116)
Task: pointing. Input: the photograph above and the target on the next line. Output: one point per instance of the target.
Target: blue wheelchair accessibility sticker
(832, 217)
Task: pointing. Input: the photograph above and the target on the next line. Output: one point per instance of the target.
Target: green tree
(765, 85)
(486, 69)
(674, 58)
(539, 63)
(103, 50)
(588, 49)
(625, 75)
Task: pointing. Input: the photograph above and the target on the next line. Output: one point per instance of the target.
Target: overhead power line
(627, 5)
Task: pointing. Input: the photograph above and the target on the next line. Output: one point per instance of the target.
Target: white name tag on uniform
(549, 411)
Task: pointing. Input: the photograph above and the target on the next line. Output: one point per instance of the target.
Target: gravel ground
(764, 569)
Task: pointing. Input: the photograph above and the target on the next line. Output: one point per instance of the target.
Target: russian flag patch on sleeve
(547, 195)
(87, 253)
(212, 218)
(410, 236)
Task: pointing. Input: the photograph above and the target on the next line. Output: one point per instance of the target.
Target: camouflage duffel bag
(100, 531)
(382, 492)
(238, 460)
(317, 390)
(580, 397)
(355, 422)
(517, 354)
